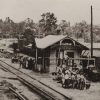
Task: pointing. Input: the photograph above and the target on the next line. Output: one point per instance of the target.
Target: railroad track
(46, 92)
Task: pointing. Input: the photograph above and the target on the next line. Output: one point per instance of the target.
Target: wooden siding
(52, 61)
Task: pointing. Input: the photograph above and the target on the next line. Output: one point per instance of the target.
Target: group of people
(72, 77)
(24, 62)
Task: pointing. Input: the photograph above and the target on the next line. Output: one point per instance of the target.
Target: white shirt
(61, 55)
(66, 56)
(66, 76)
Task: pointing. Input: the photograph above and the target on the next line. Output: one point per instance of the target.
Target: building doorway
(70, 61)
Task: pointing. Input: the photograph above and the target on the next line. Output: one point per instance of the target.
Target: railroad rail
(45, 91)
(17, 94)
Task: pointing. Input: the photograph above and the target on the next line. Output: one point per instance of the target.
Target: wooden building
(96, 53)
(52, 49)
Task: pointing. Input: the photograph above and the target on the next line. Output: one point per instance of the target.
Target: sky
(69, 10)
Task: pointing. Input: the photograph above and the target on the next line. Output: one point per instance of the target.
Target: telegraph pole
(91, 32)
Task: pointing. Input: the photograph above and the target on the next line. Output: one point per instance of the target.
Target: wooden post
(43, 62)
(36, 54)
(88, 62)
(95, 65)
(91, 32)
(59, 51)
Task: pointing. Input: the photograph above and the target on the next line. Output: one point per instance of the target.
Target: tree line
(47, 25)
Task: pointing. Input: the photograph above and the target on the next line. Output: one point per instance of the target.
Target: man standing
(20, 62)
(66, 59)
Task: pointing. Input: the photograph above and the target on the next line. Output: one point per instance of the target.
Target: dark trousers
(67, 82)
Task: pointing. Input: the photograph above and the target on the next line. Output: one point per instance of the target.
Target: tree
(1, 27)
(29, 23)
(65, 27)
(80, 29)
(48, 23)
(28, 35)
(9, 27)
(1, 24)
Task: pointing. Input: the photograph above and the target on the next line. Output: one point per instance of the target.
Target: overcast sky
(70, 10)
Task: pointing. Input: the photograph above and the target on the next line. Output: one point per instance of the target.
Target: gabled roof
(49, 40)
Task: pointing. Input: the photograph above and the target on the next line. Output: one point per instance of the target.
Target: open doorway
(70, 55)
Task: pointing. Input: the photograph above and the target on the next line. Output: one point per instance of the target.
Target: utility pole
(91, 32)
